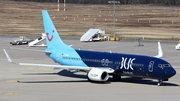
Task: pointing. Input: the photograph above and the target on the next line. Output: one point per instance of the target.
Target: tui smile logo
(49, 38)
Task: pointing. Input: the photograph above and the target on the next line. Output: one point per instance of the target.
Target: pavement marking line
(44, 69)
(11, 80)
(30, 68)
(11, 93)
(38, 68)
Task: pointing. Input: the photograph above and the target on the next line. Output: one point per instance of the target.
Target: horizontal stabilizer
(43, 51)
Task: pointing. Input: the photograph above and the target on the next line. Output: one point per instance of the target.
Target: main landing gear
(116, 77)
(160, 81)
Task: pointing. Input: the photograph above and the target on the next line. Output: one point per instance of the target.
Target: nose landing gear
(160, 82)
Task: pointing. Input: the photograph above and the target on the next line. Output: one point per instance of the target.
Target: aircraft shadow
(72, 81)
(143, 81)
(73, 75)
(62, 73)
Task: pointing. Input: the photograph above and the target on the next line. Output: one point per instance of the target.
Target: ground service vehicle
(21, 40)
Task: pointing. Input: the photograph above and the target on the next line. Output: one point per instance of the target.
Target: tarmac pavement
(28, 83)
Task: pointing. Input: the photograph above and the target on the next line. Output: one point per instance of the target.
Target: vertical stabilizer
(53, 39)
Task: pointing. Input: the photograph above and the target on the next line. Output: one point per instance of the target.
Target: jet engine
(96, 74)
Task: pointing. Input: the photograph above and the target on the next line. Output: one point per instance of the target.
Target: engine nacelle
(96, 74)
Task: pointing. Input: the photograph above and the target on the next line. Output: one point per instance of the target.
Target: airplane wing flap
(108, 70)
(56, 66)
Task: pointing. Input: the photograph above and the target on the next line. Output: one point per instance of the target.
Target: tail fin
(53, 39)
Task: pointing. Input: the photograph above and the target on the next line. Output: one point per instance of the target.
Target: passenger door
(150, 67)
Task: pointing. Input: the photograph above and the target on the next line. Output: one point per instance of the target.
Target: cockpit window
(160, 65)
(166, 65)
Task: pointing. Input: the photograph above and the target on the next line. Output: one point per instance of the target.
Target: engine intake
(96, 74)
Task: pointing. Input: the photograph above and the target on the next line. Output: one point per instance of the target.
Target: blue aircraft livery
(100, 65)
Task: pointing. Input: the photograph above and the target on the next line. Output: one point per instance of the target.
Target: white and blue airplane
(100, 65)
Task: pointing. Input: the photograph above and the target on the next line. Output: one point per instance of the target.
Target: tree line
(159, 2)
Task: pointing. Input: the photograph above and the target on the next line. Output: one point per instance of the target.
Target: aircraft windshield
(164, 65)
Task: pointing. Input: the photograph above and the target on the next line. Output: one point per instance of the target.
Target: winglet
(160, 52)
(8, 58)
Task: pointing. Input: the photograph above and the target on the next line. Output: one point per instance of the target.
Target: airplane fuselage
(123, 64)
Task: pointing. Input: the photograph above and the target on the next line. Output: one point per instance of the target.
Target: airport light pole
(58, 5)
(114, 14)
(114, 20)
(64, 5)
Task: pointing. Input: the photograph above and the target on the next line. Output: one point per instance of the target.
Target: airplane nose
(174, 72)
(171, 72)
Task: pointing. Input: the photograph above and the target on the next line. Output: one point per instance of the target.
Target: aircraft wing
(160, 52)
(56, 66)
(108, 70)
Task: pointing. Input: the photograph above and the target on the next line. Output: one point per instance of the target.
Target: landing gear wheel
(159, 82)
(18, 43)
